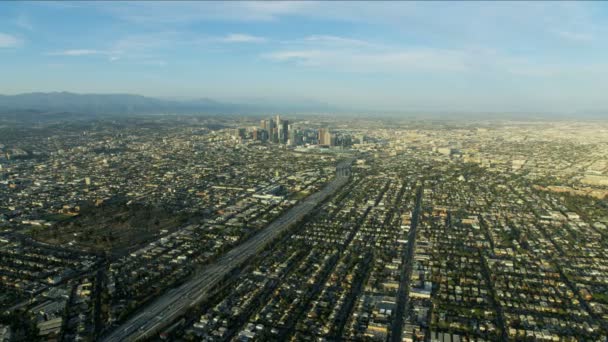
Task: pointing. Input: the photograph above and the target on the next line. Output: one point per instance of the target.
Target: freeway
(169, 306)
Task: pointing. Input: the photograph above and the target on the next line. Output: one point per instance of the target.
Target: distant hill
(59, 106)
(54, 104)
(94, 104)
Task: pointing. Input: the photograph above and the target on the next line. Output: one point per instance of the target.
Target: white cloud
(24, 22)
(272, 10)
(575, 36)
(336, 40)
(148, 41)
(83, 52)
(156, 12)
(187, 12)
(356, 55)
(76, 52)
(301, 57)
(375, 61)
(8, 41)
(142, 48)
(157, 63)
(242, 38)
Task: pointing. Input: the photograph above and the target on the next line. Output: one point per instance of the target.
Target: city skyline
(389, 171)
(513, 57)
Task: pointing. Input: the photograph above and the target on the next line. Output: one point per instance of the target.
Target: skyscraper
(324, 137)
(272, 131)
(284, 136)
(279, 129)
(291, 137)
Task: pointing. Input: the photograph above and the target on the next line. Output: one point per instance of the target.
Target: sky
(399, 56)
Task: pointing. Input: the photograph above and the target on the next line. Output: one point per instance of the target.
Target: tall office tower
(255, 134)
(264, 124)
(300, 137)
(324, 136)
(320, 135)
(279, 129)
(275, 135)
(272, 127)
(284, 131)
(262, 135)
(291, 137)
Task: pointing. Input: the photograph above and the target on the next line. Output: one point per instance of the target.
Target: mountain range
(128, 104)
(41, 106)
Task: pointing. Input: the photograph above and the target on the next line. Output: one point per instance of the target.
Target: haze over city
(394, 56)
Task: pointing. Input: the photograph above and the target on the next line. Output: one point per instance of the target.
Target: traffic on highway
(169, 306)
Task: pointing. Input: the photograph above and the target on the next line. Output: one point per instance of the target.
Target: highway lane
(168, 307)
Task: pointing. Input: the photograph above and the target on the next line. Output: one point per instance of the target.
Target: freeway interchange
(169, 306)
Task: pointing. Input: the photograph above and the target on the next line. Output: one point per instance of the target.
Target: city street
(172, 304)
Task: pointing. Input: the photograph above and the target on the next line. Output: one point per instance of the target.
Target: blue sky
(477, 56)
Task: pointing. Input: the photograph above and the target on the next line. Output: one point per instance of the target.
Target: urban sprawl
(303, 229)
